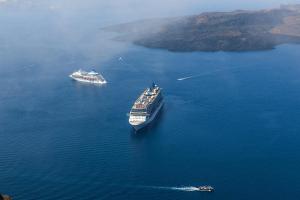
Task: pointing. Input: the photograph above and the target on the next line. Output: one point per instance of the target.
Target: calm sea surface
(233, 124)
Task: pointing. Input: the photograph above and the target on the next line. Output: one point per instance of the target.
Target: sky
(124, 10)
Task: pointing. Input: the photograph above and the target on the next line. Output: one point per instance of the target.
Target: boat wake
(186, 189)
(198, 75)
(205, 188)
(206, 73)
(183, 188)
(184, 78)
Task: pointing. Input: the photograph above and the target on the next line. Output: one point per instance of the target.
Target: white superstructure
(88, 77)
(146, 107)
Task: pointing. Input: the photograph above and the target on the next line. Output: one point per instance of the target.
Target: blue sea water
(234, 124)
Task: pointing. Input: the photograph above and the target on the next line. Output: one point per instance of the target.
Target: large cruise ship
(88, 77)
(146, 107)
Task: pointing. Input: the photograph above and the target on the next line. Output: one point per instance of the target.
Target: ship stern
(137, 122)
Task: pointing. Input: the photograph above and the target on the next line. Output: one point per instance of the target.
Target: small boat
(206, 188)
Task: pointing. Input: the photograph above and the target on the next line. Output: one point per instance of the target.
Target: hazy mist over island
(62, 22)
(240, 30)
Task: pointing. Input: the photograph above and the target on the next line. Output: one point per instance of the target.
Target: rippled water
(234, 124)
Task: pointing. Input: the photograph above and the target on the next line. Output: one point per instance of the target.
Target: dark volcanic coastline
(216, 31)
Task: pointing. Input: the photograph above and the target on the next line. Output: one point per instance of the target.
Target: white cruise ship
(146, 107)
(88, 77)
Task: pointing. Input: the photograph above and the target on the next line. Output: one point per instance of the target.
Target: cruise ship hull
(140, 125)
(87, 81)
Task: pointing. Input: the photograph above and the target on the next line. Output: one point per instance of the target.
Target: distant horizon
(128, 10)
(211, 11)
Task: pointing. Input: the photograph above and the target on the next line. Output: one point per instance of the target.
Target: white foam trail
(198, 75)
(184, 78)
(186, 189)
(183, 188)
(207, 73)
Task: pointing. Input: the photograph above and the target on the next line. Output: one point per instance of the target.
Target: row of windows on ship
(150, 107)
(88, 78)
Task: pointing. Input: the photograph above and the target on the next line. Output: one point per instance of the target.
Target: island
(5, 197)
(240, 30)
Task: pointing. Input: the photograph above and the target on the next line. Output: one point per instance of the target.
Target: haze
(42, 31)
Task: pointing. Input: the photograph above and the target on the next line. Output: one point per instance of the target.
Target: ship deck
(146, 98)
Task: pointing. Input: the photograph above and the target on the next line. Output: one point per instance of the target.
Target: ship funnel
(153, 85)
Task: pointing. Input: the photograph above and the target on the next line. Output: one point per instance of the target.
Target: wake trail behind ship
(205, 74)
(182, 188)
